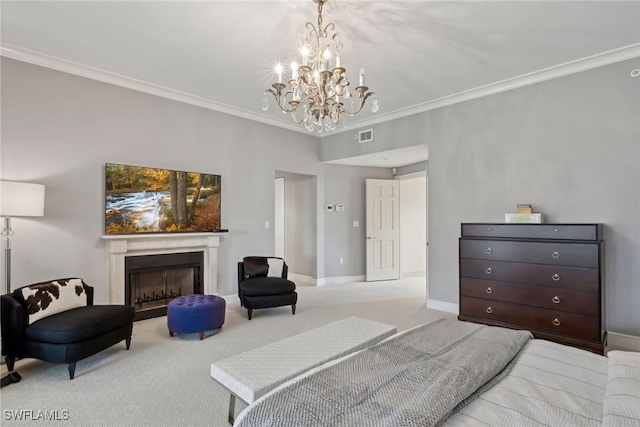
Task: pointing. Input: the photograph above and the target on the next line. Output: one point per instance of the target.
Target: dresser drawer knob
(555, 255)
(556, 322)
(556, 300)
(556, 230)
(555, 277)
(489, 270)
(489, 310)
(489, 251)
(489, 228)
(489, 290)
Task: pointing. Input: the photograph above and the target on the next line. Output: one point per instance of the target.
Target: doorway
(295, 224)
(413, 225)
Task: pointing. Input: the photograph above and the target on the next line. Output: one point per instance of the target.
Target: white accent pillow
(46, 299)
(621, 406)
(276, 265)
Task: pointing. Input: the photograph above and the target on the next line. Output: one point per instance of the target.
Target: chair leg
(249, 313)
(128, 342)
(170, 333)
(72, 370)
(11, 360)
(293, 309)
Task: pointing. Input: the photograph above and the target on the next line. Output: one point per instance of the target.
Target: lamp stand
(7, 234)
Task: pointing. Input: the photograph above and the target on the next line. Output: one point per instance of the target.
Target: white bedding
(549, 385)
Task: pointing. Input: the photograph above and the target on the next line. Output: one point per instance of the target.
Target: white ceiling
(220, 54)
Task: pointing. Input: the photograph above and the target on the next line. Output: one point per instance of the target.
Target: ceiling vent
(365, 136)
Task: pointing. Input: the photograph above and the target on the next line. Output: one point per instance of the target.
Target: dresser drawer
(552, 253)
(538, 296)
(526, 317)
(580, 279)
(534, 231)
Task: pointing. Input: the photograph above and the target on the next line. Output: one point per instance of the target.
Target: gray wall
(415, 167)
(569, 146)
(346, 185)
(300, 222)
(400, 133)
(59, 130)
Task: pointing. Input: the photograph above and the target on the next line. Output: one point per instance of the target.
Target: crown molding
(47, 61)
(568, 68)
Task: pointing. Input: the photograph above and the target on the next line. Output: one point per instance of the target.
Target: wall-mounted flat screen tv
(150, 200)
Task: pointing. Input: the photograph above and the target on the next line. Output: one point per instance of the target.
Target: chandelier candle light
(316, 89)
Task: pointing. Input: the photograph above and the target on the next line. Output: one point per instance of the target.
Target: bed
(451, 373)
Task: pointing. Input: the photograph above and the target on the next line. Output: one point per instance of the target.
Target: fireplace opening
(152, 281)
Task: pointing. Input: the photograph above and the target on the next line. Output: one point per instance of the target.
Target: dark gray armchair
(263, 283)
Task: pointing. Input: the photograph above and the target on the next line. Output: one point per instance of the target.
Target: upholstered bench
(254, 373)
(195, 313)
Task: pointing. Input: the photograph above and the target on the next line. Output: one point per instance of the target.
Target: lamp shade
(21, 199)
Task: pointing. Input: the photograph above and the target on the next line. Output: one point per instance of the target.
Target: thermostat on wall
(328, 208)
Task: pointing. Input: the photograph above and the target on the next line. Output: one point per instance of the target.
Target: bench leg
(201, 335)
(232, 408)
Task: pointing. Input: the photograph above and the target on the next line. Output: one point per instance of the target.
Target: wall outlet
(266, 224)
(341, 260)
(356, 223)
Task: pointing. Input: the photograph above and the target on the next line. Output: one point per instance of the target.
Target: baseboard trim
(617, 341)
(233, 298)
(414, 274)
(339, 279)
(302, 279)
(449, 307)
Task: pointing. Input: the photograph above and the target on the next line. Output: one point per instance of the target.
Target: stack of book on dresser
(524, 215)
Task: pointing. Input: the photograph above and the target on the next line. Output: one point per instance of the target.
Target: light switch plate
(356, 223)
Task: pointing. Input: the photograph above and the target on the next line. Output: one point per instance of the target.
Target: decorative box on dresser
(546, 278)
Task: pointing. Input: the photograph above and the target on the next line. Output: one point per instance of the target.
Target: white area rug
(163, 381)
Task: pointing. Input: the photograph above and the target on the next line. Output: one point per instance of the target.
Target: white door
(279, 218)
(383, 229)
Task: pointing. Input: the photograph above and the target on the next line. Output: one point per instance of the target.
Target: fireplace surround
(152, 281)
(122, 246)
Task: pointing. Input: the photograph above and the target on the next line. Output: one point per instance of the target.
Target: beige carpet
(163, 381)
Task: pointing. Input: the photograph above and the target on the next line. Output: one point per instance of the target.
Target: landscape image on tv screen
(151, 200)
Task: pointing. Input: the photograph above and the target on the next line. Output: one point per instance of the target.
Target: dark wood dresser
(546, 278)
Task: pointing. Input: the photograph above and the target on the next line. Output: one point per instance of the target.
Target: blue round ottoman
(195, 313)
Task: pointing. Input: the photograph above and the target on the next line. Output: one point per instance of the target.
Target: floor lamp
(16, 199)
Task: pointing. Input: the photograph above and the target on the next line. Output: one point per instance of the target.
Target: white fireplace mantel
(120, 246)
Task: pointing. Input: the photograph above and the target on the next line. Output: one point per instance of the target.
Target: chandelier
(318, 88)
